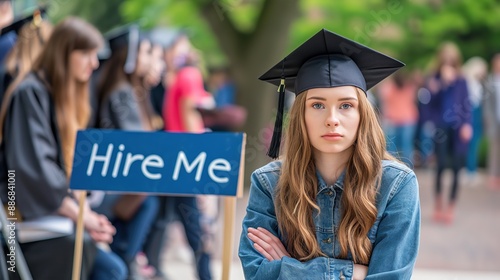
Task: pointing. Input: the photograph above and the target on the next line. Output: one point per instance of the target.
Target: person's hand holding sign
(99, 227)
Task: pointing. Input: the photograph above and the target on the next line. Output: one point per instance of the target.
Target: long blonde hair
(29, 45)
(71, 98)
(298, 185)
(449, 54)
(20, 59)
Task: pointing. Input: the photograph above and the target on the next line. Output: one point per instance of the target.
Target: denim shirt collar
(322, 184)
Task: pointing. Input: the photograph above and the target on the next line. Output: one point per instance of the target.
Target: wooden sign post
(77, 256)
(160, 163)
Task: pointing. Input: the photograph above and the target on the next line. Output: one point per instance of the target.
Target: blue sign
(159, 162)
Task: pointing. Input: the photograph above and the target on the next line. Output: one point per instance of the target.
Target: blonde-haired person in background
(452, 118)
(32, 34)
(336, 205)
(475, 71)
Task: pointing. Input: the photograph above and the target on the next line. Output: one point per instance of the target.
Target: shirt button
(327, 240)
(330, 193)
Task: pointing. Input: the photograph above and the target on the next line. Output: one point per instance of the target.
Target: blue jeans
(130, 235)
(400, 141)
(447, 155)
(186, 208)
(108, 266)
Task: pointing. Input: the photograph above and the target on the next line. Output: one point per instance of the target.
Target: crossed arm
(272, 249)
(263, 255)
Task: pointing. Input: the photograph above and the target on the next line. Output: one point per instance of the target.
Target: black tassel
(274, 148)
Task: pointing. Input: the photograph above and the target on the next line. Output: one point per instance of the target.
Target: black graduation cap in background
(326, 60)
(125, 36)
(19, 22)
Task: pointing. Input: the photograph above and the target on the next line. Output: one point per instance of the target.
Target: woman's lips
(332, 136)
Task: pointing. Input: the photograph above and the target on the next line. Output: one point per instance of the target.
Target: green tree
(103, 14)
(252, 35)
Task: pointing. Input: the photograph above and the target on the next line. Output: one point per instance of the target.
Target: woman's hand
(466, 132)
(267, 244)
(359, 272)
(99, 227)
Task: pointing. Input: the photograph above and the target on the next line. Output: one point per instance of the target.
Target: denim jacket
(394, 235)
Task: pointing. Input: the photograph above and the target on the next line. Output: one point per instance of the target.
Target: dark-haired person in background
(124, 104)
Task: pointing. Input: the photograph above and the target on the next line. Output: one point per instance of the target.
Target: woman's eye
(345, 106)
(318, 106)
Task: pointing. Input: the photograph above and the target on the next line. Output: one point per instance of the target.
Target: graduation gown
(120, 110)
(5, 80)
(31, 147)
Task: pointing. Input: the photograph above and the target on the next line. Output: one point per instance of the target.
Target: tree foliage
(408, 29)
(252, 35)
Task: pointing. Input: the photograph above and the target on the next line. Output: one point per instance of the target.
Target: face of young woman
(82, 64)
(155, 71)
(332, 119)
(143, 58)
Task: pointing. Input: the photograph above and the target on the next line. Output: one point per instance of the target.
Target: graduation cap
(326, 60)
(125, 36)
(34, 18)
(165, 36)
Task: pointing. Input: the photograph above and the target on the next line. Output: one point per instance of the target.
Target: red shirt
(188, 83)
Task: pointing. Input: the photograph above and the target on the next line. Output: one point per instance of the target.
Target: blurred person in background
(7, 39)
(186, 92)
(424, 134)
(32, 33)
(124, 104)
(38, 128)
(450, 102)
(475, 71)
(184, 95)
(221, 86)
(399, 115)
(165, 37)
(492, 122)
(226, 116)
(153, 79)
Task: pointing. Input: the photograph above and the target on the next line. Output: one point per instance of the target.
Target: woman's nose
(332, 119)
(94, 62)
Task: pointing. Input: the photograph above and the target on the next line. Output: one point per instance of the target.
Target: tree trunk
(250, 55)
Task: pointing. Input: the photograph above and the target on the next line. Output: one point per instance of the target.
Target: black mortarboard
(125, 36)
(19, 22)
(326, 60)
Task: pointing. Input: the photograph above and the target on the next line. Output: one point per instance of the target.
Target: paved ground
(468, 249)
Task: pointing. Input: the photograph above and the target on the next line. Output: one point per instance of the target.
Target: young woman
(38, 127)
(452, 113)
(337, 205)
